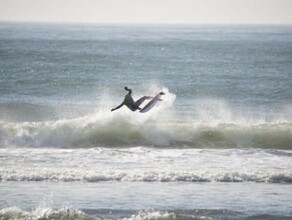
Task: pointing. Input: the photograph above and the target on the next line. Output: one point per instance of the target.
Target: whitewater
(218, 146)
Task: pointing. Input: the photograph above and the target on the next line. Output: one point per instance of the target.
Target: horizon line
(143, 23)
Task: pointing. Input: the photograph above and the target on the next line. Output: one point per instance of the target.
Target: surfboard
(152, 103)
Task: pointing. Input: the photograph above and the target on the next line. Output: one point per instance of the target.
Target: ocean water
(218, 146)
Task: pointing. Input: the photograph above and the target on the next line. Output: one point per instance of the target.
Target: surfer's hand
(112, 109)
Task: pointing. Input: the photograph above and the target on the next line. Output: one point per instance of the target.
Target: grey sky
(148, 11)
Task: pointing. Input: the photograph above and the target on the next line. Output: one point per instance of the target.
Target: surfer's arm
(119, 106)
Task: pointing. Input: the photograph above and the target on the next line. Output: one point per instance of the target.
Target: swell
(127, 131)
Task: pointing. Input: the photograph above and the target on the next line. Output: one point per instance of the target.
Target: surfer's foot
(162, 93)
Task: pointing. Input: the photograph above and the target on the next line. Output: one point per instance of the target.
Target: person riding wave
(130, 103)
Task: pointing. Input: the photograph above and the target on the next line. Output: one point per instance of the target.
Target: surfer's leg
(141, 100)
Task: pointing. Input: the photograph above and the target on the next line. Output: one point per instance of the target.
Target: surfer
(130, 103)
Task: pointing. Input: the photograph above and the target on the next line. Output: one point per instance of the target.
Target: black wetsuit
(130, 103)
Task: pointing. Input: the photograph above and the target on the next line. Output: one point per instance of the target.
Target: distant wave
(125, 131)
(15, 213)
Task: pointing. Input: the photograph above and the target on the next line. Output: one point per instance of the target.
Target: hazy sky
(148, 11)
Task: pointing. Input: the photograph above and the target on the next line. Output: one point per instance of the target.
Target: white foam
(152, 215)
(42, 213)
(145, 165)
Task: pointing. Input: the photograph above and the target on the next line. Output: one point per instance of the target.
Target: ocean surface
(218, 146)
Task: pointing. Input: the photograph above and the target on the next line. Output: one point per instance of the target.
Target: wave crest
(122, 130)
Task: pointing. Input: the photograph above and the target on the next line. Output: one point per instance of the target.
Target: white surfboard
(152, 103)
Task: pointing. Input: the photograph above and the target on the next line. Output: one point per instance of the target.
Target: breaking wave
(211, 125)
(122, 130)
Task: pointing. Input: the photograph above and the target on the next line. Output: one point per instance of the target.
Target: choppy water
(226, 119)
